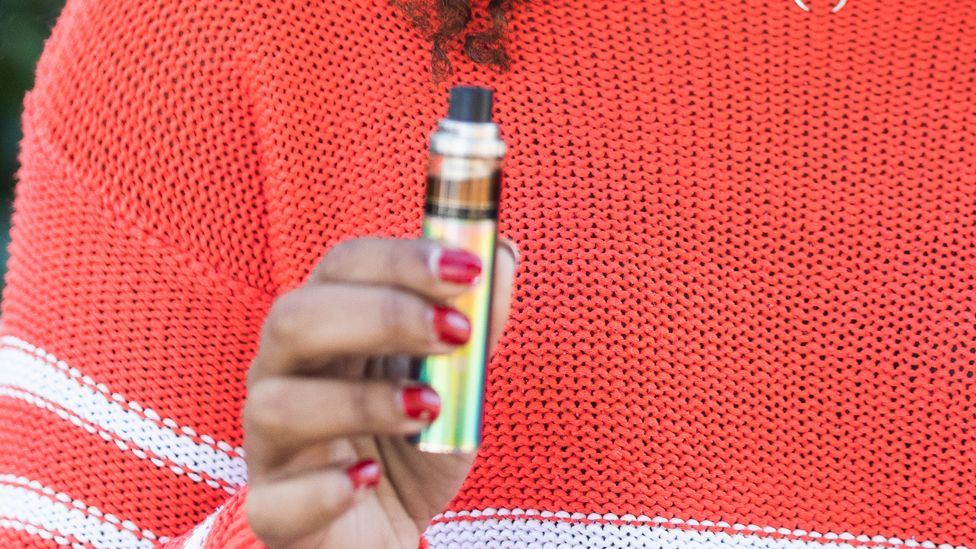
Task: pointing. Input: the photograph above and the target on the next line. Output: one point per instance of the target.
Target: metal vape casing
(461, 210)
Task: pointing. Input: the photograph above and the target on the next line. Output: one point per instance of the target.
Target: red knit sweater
(744, 314)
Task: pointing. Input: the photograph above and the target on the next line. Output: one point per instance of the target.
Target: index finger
(423, 266)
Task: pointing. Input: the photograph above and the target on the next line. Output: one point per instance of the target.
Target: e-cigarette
(461, 210)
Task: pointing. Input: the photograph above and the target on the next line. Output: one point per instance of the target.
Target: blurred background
(24, 25)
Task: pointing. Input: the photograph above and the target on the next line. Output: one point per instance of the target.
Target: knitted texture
(744, 313)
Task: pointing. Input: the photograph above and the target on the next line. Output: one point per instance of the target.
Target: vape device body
(463, 188)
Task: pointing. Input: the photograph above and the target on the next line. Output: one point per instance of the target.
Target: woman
(742, 315)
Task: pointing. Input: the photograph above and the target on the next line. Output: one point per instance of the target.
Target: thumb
(506, 259)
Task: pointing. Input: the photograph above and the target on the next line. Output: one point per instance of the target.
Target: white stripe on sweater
(562, 530)
(28, 372)
(11, 341)
(39, 511)
(198, 539)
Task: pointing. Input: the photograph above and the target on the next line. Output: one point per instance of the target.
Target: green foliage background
(24, 25)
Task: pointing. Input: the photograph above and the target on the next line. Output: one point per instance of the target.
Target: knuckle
(267, 405)
(282, 322)
(256, 512)
(391, 312)
(396, 311)
(254, 371)
(360, 401)
(406, 260)
(336, 259)
(371, 405)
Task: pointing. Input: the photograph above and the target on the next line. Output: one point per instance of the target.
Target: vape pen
(463, 186)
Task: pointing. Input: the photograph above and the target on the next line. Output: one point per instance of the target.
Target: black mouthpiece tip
(469, 104)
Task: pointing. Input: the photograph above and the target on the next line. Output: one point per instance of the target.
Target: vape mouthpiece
(469, 104)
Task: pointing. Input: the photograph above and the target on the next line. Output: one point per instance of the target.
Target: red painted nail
(451, 325)
(420, 402)
(458, 266)
(365, 474)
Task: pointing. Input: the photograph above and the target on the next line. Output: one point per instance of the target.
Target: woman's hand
(329, 406)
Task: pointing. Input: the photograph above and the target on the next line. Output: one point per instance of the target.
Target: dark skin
(325, 392)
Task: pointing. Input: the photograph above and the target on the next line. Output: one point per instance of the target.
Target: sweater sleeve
(136, 286)
(225, 528)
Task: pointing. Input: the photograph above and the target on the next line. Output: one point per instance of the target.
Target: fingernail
(365, 474)
(451, 325)
(420, 402)
(458, 266)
